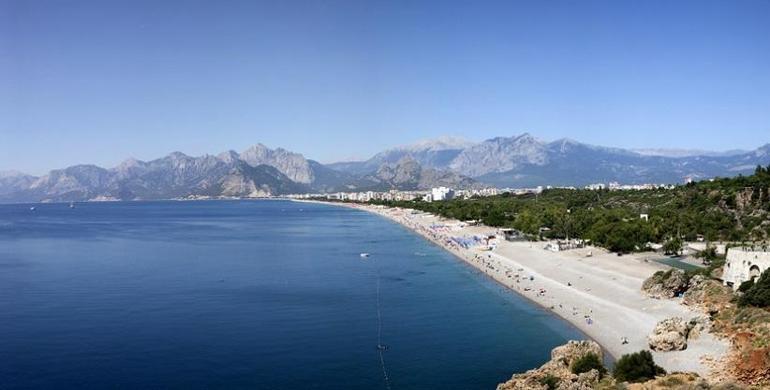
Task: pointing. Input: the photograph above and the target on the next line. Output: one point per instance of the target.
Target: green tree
(550, 381)
(673, 246)
(746, 286)
(586, 363)
(637, 367)
(759, 293)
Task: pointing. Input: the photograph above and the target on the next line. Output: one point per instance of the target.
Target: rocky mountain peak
(229, 157)
(256, 149)
(177, 156)
(525, 137)
(129, 163)
(499, 155)
(408, 174)
(293, 165)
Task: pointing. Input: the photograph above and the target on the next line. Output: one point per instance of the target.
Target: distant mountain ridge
(256, 172)
(524, 161)
(435, 153)
(408, 174)
(672, 152)
(516, 161)
(176, 175)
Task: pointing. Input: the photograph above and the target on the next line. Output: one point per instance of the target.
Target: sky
(101, 81)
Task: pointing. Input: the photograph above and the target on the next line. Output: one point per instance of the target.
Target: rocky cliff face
(558, 367)
(80, 181)
(500, 155)
(293, 165)
(262, 180)
(408, 174)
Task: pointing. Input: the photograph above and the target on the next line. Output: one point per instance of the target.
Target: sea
(262, 294)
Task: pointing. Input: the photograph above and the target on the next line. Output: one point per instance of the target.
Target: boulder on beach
(695, 290)
(666, 284)
(669, 335)
(697, 326)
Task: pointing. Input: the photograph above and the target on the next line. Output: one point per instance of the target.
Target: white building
(743, 264)
(442, 193)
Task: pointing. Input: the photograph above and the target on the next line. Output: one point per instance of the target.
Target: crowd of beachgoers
(478, 249)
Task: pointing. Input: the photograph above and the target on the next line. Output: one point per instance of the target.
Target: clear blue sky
(100, 81)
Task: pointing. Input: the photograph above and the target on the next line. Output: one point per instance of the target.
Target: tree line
(722, 209)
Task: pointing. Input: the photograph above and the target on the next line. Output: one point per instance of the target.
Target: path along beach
(600, 294)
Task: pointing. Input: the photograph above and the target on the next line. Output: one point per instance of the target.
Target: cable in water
(380, 346)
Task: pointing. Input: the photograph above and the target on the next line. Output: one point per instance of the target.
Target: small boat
(72, 205)
(364, 255)
(32, 208)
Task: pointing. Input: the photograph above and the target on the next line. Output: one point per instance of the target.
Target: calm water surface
(251, 295)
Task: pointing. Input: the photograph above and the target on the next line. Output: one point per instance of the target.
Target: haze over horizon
(92, 82)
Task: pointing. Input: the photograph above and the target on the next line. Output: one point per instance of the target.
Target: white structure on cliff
(743, 264)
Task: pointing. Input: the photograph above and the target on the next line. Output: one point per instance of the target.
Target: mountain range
(517, 161)
(525, 161)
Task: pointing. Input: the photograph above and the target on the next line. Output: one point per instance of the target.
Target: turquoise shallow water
(673, 262)
(248, 294)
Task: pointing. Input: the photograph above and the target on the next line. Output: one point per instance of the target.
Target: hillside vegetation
(730, 209)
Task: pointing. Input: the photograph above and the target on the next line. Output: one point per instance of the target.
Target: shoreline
(597, 293)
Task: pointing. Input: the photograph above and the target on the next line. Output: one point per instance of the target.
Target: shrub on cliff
(587, 363)
(758, 295)
(637, 367)
(550, 381)
(746, 286)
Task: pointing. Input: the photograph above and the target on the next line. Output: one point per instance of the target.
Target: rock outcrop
(293, 165)
(556, 371)
(695, 291)
(708, 295)
(681, 381)
(408, 174)
(673, 333)
(666, 284)
(698, 326)
(669, 335)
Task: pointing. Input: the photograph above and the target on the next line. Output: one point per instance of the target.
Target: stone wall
(743, 264)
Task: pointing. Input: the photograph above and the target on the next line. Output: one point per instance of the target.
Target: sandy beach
(599, 294)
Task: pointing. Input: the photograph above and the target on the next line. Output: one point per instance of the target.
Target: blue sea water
(248, 295)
